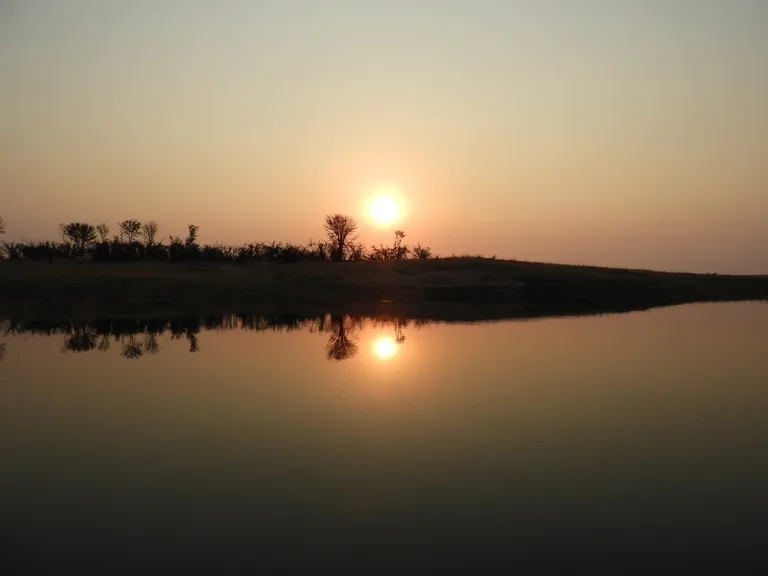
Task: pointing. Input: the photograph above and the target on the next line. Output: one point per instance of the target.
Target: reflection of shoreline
(4, 327)
(138, 337)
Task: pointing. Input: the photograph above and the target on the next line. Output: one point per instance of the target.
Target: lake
(275, 444)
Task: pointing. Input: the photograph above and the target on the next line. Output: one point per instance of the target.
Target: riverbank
(460, 289)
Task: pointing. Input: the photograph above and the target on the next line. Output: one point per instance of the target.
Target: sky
(607, 132)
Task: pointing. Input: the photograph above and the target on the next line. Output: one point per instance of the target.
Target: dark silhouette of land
(448, 289)
(87, 276)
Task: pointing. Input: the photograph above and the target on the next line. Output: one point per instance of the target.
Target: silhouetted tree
(399, 250)
(192, 236)
(191, 246)
(130, 230)
(82, 236)
(149, 232)
(103, 231)
(341, 233)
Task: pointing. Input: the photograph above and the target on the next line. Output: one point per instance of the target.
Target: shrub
(422, 252)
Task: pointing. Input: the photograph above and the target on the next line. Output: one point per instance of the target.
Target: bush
(39, 251)
(13, 250)
(101, 252)
(422, 252)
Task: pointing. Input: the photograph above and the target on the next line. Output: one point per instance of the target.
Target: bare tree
(103, 231)
(149, 232)
(341, 233)
(130, 230)
(2, 226)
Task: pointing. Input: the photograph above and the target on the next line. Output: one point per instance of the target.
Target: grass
(451, 288)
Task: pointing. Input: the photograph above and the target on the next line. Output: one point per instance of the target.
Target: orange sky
(613, 133)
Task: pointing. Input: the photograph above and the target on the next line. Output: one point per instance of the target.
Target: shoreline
(444, 289)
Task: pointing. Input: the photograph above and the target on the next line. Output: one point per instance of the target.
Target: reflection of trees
(150, 343)
(137, 337)
(191, 338)
(193, 346)
(104, 343)
(5, 328)
(188, 328)
(131, 348)
(340, 345)
(82, 339)
(399, 336)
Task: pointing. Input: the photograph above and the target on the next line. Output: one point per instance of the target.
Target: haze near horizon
(611, 133)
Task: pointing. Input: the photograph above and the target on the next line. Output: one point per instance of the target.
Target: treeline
(137, 241)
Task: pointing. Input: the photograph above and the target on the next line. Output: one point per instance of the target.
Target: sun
(384, 348)
(384, 209)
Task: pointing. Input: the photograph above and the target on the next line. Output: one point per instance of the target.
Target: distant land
(449, 288)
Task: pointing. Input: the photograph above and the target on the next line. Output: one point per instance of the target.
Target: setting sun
(384, 209)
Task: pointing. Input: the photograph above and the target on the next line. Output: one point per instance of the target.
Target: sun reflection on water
(384, 348)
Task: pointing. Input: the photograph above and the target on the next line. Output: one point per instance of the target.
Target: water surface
(203, 444)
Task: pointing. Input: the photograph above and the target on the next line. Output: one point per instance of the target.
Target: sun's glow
(384, 348)
(384, 209)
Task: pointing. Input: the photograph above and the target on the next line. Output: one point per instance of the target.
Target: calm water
(637, 440)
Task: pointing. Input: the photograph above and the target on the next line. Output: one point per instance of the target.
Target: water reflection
(136, 338)
(384, 348)
(4, 325)
(607, 440)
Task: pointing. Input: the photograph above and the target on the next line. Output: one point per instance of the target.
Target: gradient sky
(611, 132)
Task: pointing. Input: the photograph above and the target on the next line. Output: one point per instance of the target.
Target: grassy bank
(448, 288)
